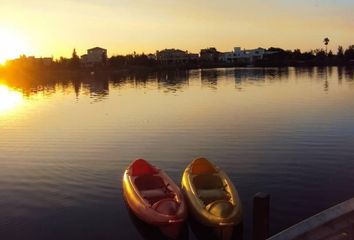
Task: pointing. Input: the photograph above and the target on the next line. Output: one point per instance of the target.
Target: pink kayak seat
(166, 206)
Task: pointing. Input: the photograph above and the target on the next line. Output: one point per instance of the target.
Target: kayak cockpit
(210, 188)
(152, 188)
(211, 195)
(153, 197)
(207, 183)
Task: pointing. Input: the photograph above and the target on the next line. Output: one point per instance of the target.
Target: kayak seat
(155, 195)
(152, 188)
(166, 206)
(210, 188)
(207, 181)
(212, 195)
(220, 208)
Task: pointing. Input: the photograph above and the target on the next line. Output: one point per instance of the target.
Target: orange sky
(48, 27)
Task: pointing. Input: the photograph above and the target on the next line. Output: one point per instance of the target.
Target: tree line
(279, 57)
(320, 56)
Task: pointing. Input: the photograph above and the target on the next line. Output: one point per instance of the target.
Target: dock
(335, 223)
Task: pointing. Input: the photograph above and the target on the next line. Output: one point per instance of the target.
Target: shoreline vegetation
(117, 64)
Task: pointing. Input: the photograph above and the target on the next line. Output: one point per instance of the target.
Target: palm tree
(326, 41)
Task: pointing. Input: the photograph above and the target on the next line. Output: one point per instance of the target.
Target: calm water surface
(65, 144)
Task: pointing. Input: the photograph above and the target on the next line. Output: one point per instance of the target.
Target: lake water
(64, 144)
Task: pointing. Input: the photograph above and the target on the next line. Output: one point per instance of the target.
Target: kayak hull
(211, 196)
(154, 198)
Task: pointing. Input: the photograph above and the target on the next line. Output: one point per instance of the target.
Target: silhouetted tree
(75, 60)
(349, 53)
(307, 56)
(340, 52)
(330, 54)
(326, 41)
(320, 55)
(280, 57)
(117, 61)
(74, 54)
(64, 62)
(297, 54)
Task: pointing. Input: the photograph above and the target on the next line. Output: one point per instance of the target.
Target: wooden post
(261, 216)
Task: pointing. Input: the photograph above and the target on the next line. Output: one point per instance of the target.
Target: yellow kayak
(211, 196)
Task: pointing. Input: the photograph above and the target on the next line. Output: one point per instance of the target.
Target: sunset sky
(48, 27)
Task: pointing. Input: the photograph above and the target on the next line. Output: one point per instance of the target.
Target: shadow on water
(206, 233)
(149, 232)
(201, 232)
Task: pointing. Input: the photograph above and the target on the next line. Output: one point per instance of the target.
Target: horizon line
(147, 53)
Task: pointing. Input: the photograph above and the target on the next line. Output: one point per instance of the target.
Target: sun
(9, 99)
(12, 45)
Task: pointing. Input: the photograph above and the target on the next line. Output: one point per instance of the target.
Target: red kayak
(153, 197)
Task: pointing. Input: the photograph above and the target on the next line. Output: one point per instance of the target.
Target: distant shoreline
(4, 71)
(96, 60)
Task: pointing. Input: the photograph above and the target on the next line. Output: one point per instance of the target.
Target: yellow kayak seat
(220, 208)
(210, 188)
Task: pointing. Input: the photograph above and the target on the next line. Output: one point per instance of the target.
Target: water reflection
(98, 86)
(9, 99)
(62, 156)
(172, 81)
(349, 74)
(259, 76)
(304, 72)
(209, 78)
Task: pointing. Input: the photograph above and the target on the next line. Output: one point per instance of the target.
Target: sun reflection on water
(9, 99)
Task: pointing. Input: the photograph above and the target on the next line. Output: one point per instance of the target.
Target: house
(209, 55)
(175, 56)
(167, 56)
(95, 56)
(243, 56)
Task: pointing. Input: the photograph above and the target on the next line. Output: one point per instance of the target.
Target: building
(167, 56)
(95, 56)
(175, 56)
(243, 56)
(209, 55)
